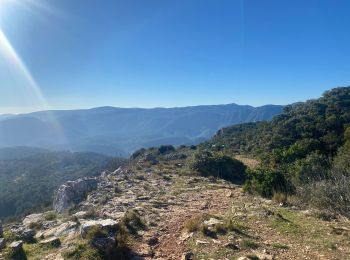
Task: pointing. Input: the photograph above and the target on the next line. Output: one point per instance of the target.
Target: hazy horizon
(135, 107)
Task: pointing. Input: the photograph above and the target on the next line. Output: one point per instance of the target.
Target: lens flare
(14, 61)
(10, 54)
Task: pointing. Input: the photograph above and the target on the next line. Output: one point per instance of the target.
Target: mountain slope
(29, 182)
(19, 152)
(315, 125)
(121, 130)
(143, 211)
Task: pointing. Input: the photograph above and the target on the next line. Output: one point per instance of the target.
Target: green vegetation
(133, 222)
(27, 184)
(50, 216)
(218, 165)
(249, 244)
(193, 224)
(82, 250)
(305, 151)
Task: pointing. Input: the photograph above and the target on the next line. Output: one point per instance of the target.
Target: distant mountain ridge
(119, 131)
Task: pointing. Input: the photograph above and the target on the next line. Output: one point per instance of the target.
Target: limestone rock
(33, 219)
(262, 256)
(51, 242)
(212, 222)
(23, 233)
(16, 246)
(61, 230)
(73, 192)
(80, 214)
(109, 225)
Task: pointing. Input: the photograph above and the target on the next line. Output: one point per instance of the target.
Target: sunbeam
(10, 55)
(12, 58)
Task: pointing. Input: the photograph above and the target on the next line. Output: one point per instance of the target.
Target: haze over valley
(120, 131)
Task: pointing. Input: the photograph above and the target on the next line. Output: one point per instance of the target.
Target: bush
(332, 195)
(50, 216)
(266, 182)
(164, 149)
(314, 167)
(193, 224)
(82, 251)
(218, 165)
(96, 232)
(133, 221)
(280, 197)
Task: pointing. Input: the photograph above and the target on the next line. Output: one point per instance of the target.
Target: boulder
(1, 230)
(61, 230)
(2, 243)
(16, 246)
(108, 225)
(51, 242)
(80, 214)
(23, 233)
(72, 193)
(212, 222)
(33, 219)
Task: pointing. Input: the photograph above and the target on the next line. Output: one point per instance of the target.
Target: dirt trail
(173, 221)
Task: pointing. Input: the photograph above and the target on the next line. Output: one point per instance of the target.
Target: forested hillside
(316, 125)
(121, 131)
(28, 183)
(303, 152)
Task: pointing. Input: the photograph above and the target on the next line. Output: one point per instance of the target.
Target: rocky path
(172, 241)
(166, 197)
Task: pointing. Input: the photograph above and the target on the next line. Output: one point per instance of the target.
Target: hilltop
(265, 190)
(156, 208)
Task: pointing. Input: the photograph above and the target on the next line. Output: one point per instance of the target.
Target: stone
(212, 222)
(23, 233)
(80, 214)
(72, 193)
(265, 256)
(109, 225)
(33, 219)
(2, 243)
(51, 242)
(16, 245)
(63, 229)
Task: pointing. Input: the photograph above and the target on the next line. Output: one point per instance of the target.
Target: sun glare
(9, 55)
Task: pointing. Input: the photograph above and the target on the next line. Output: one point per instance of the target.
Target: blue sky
(149, 53)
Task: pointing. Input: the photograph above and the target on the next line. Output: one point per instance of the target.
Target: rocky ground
(172, 214)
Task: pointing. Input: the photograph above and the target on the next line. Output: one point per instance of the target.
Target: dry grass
(249, 162)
